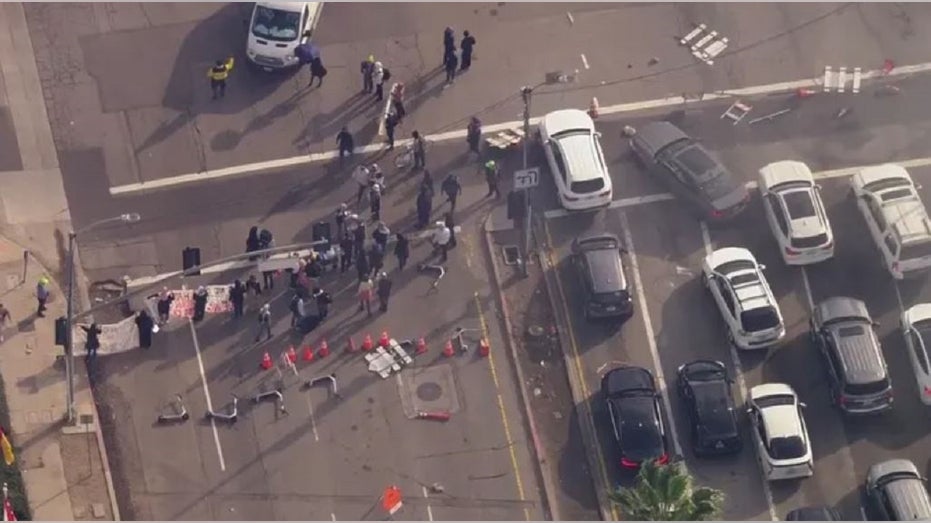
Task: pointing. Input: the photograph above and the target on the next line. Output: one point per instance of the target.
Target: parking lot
(666, 244)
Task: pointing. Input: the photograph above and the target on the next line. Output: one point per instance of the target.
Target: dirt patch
(84, 475)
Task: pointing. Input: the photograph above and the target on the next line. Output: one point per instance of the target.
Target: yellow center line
(577, 365)
(502, 411)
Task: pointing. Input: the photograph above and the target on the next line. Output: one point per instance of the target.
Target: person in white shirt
(441, 237)
(362, 176)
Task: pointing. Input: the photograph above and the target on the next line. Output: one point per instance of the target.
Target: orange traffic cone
(367, 344)
(801, 92)
(483, 348)
(266, 361)
(324, 350)
(421, 345)
(383, 340)
(292, 354)
(593, 108)
(888, 66)
(308, 353)
(351, 346)
(448, 350)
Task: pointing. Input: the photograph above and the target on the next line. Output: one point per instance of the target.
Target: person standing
(164, 305)
(200, 303)
(341, 212)
(144, 325)
(265, 323)
(358, 237)
(368, 65)
(474, 135)
(449, 43)
(378, 78)
(420, 151)
(468, 42)
(238, 298)
(391, 122)
(452, 189)
(323, 300)
(451, 225)
(362, 177)
(378, 178)
(93, 340)
(252, 284)
(424, 208)
(345, 143)
(345, 253)
(440, 240)
(363, 269)
(376, 258)
(381, 234)
(5, 318)
(397, 101)
(218, 75)
(268, 280)
(294, 307)
(384, 291)
(402, 250)
(375, 201)
(426, 183)
(365, 294)
(492, 175)
(42, 294)
(252, 242)
(452, 62)
(318, 71)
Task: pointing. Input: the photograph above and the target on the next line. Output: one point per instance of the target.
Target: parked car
(277, 28)
(895, 491)
(813, 514)
(916, 328)
(636, 416)
(690, 171)
(780, 433)
(600, 268)
(896, 218)
(743, 296)
(795, 212)
(574, 154)
(705, 388)
(844, 333)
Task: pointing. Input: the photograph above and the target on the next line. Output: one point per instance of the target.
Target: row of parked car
(841, 328)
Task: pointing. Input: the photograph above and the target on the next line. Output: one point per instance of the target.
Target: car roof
(785, 172)
(580, 157)
(714, 406)
(605, 270)
(291, 7)
(626, 379)
(657, 135)
(841, 307)
(565, 119)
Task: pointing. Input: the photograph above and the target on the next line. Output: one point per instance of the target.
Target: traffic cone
(801, 92)
(438, 415)
(292, 354)
(266, 361)
(888, 65)
(351, 346)
(448, 350)
(324, 350)
(483, 348)
(367, 344)
(421, 345)
(308, 353)
(593, 108)
(383, 340)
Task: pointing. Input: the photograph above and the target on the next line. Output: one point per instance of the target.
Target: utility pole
(526, 93)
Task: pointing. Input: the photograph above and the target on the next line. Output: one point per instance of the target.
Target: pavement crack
(459, 452)
(198, 139)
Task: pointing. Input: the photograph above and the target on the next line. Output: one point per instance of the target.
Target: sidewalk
(65, 470)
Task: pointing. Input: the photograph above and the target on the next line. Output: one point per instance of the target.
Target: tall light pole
(525, 93)
(69, 314)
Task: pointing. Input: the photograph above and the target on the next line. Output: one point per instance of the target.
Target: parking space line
(651, 334)
(808, 295)
(313, 420)
(898, 296)
(577, 367)
(502, 411)
(332, 516)
(741, 381)
(426, 495)
(203, 379)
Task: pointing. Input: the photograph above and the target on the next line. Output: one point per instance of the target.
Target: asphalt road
(669, 243)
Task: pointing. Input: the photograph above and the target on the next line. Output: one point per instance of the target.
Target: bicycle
(439, 269)
(406, 158)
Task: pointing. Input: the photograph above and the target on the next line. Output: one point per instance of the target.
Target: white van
(277, 28)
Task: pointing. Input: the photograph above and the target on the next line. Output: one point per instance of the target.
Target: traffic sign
(526, 178)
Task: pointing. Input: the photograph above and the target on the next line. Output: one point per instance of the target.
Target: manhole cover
(429, 391)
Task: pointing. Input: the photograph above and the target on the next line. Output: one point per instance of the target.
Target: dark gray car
(598, 264)
(690, 171)
(845, 335)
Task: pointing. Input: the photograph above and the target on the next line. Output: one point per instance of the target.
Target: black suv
(705, 388)
(597, 261)
(857, 375)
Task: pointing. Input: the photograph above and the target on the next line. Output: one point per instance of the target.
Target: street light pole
(69, 312)
(526, 93)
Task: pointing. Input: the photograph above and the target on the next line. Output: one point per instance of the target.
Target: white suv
(574, 154)
(744, 298)
(898, 222)
(779, 432)
(795, 212)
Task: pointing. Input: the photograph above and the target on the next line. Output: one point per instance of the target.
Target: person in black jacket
(238, 298)
(345, 143)
(252, 242)
(402, 250)
(200, 303)
(468, 42)
(144, 324)
(346, 246)
(93, 340)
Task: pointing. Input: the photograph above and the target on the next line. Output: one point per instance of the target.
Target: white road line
(571, 19)
(426, 495)
(898, 297)
(313, 420)
(651, 334)
(203, 379)
(332, 516)
(741, 381)
(304, 159)
(808, 295)
(616, 204)
(584, 61)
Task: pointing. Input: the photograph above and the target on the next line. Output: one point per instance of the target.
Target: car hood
(271, 48)
(916, 313)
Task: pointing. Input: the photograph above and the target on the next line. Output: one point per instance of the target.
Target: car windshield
(611, 298)
(587, 186)
(274, 24)
(924, 330)
(799, 204)
(867, 389)
(706, 373)
(759, 319)
(734, 266)
(914, 251)
(640, 435)
(787, 447)
(570, 132)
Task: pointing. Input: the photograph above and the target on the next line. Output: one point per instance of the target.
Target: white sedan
(916, 327)
(779, 432)
(277, 28)
(574, 154)
(795, 212)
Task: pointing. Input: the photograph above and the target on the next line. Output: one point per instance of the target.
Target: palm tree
(665, 493)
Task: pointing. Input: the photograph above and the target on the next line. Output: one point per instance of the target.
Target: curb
(586, 425)
(549, 488)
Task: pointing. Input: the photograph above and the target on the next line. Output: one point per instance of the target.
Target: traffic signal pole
(525, 225)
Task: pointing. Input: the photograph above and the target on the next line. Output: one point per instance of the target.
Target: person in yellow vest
(218, 75)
